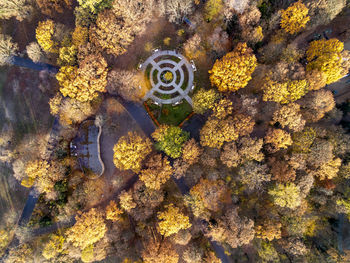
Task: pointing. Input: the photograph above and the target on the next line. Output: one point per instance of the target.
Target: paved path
(27, 63)
(175, 86)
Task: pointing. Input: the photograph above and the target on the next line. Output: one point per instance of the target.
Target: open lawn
(168, 114)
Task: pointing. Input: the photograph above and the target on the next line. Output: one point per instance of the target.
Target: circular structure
(170, 76)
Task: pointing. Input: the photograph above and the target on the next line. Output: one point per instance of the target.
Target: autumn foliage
(294, 18)
(130, 151)
(172, 221)
(234, 70)
(85, 82)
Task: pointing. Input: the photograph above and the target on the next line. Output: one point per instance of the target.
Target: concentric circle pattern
(170, 76)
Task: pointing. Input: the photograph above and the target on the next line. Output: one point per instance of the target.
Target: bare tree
(20, 9)
(7, 49)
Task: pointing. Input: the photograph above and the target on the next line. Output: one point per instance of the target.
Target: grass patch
(168, 114)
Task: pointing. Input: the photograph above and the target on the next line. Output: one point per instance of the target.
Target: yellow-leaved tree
(84, 83)
(234, 70)
(130, 151)
(44, 33)
(295, 17)
(286, 195)
(329, 57)
(113, 212)
(53, 247)
(278, 138)
(126, 201)
(284, 92)
(172, 221)
(35, 169)
(89, 228)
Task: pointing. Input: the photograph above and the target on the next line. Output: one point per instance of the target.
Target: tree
(113, 212)
(279, 139)
(243, 124)
(253, 175)
(117, 27)
(328, 57)
(128, 84)
(157, 171)
(237, 5)
(219, 41)
(126, 201)
(44, 34)
(294, 18)
(284, 92)
(146, 200)
(50, 7)
(317, 79)
(229, 155)
(159, 252)
(281, 170)
(35, 53)
(84, 83)
(193, 48)
(130, 151)
(289, 116)
(8, 49)
(232, 229)
(316, 104)
(302, 141)
(67, 55)
(4, 240)
(268, 253)
(72, 111)
(45, 183)
(212, 8)
(234, 70)
(53, 247)
(286, 195)
(222, 108)
(80, 36)
(170, 139)
(203, 100)
(172, 221)
(180, 168)
(210, 194)
(20, 254)
(191, 152)
(95, 6)
(193, 254)
(89, 228)
(328, 170)
(35, 169)
(175, 10)
(215, 132)
(250, 149)
(21, 9)
(269, 229)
